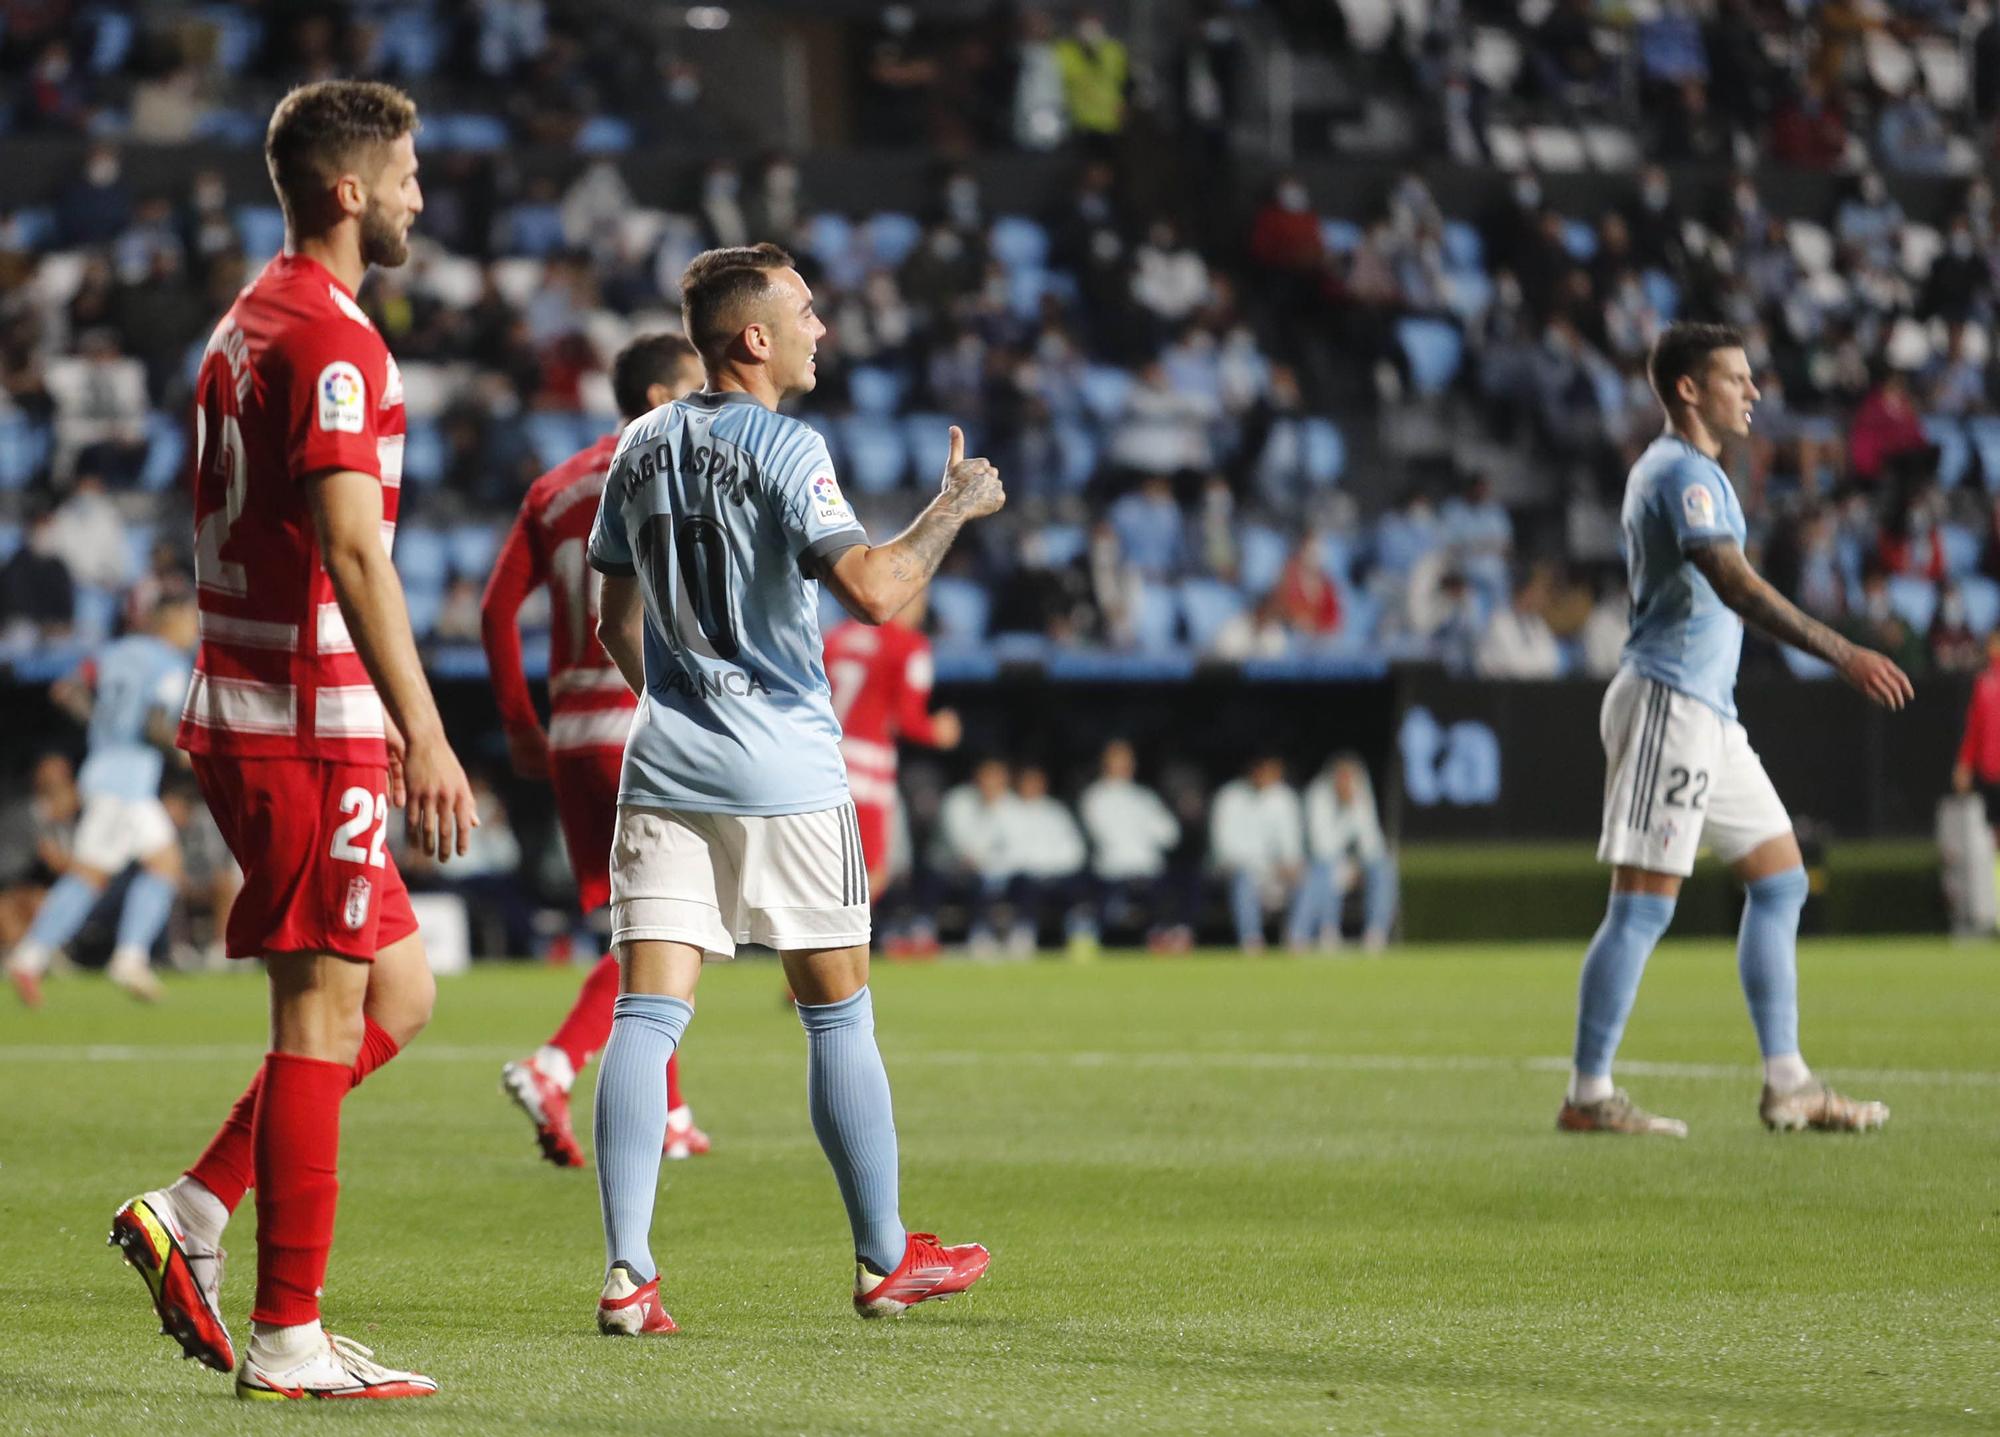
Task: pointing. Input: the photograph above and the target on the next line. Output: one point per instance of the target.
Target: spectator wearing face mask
(1955, 649)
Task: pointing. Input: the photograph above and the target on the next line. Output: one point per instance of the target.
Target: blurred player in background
(308, 718)
(880, 676)
(128, 694)
(1678, 764)
(590, 713)
(734, 823)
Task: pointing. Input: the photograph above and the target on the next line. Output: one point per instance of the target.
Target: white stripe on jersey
(333, 635)
(588, 681)
(868, 753)
(248, 633)
(870, 791)
(389, 458)
(349, 711)
(243, 705)
(604, 728)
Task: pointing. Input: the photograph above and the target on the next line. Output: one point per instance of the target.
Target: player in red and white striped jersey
(881, 682)
(308, 717)
(590, 709)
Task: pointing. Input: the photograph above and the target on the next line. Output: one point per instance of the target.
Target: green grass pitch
(1222, 1196)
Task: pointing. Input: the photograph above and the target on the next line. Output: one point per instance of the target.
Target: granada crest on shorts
(355, 913)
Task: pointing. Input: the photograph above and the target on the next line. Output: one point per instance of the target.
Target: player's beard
(382, 241)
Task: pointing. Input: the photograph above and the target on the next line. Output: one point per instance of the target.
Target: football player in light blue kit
(130, 693)
(1678, 764)
(720, 520)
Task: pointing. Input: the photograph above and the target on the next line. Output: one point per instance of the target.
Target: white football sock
(556, 1067)
(680, 1119)
(285, 1346)
(1589, 1087)
(28, 958)
(201, 1212)
(1786, 1073)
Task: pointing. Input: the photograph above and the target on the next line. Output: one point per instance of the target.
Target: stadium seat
(1025, 288)
(605, 135)
(875, 390)
(422, 558)
(1662, 293)
(1434, 349)
(1983, 432)
(1812, 245)
(238, 35)
(1954, 448)
(1468, 294)
(96, 613)
(1463, 247)
(1107, 389)
(1982, 603)
(1076, 453)
(1206, 605)
(1340, 237)
(410, 42)
(473, 548)
(1018, 242)
(1914, 600)
(24, 450)
(1325, 452)
(1614, 148)
(226, 125)
(262, 230)
(892, 237)
(1495, 58)
(1063, 544)
(1580, 239)
(1920, 246)
(467, 131)
(1156, 624)
(1961, 549)
(877, 457)
(823, 425)
(928, 438)
(1890, 65)
(553, 435)
(10, 539)
(423, 454)
(425, 605)
(139, 546)
(534, 230)
(961, 606)
(166, 458)
(1944, 69)
(830, 241)
(1556, 149)
(1262, 552)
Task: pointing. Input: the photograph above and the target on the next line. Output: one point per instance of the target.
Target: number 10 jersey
(295, 382)
(726, 512)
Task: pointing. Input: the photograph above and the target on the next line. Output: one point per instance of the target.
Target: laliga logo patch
(342, 398)
(831, 503)
(359, 891)
(1699, 506)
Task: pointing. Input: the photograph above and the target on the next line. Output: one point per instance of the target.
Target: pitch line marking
(1087, 1059)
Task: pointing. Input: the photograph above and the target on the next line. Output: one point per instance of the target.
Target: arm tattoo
(914, 554)
(1739, 586)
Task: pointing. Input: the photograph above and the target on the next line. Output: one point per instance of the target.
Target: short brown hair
(716, 287)
(648, 360)
(317, 128)
(1682, 351)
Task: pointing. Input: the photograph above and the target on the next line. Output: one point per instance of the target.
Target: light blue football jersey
(136, 677)
(1683, 635)
(725, 511)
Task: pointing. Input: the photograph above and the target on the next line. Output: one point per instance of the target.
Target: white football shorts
(113, 832)
(788, 881)
(1675, 771)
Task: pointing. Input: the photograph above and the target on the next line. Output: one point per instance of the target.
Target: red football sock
(673, 1082)
(227, 1167)
(297, 1142)
(588, 1025)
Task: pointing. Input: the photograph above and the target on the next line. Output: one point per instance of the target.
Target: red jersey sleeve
(337, 372)
(913, 708)
(517, 573)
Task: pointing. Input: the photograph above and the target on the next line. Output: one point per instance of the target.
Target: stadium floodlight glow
(707, 17)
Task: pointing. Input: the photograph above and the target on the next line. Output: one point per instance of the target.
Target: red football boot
(928, 1271)
(547, 1106)
(148, 1232)
(631, 1309)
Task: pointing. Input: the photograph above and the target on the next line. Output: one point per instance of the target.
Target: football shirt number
(363, 809)
(846, 678)
(1677, 790)
(695, 576)
(211, 571)
(581, 586)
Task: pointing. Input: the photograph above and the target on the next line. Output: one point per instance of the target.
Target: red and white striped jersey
(589, 704)
(881, 682)
(295, 382)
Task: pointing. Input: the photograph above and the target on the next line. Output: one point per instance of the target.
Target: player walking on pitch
(128, 692)
(308, 717)
(590, 713)
(734, 823)
(1678, 764)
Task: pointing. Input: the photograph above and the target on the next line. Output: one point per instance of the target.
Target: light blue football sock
(1633, 925)
(848, 1090)
(148, 901)
(63, 913)
(1767, 953)
(631, 1122)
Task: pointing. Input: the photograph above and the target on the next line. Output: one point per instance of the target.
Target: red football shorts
(312, 840)
(586, 784)
(875, 821)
